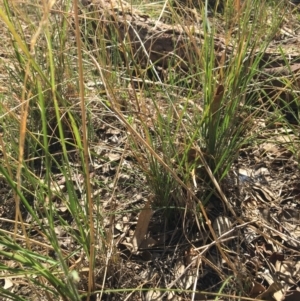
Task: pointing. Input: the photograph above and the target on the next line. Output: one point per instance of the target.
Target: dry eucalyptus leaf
(256, 289)
(7, 283)
(267, 193)
(153, 295)
(142, 226)
(270, 148)
(221, 225)
(263, 171)
(269, 293)
(276, 257)
(113, 157)
(174, 297)
(266, 275)
(148, 243)
(185, 278)
(171, 296)
(278, 296)
(288, 271)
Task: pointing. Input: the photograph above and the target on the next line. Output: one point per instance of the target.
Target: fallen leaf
(256, 289)
(276, 257)
(268, 294)
(278, 296)
(7, 283)
(113, 157)
(185, 278)
(142, 226)
(221, 225)
(148, 243)
(153, 295)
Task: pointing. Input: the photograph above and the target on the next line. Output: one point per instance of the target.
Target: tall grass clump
(186, 127)
(229, 100)
(192, 135)
(47, 130)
